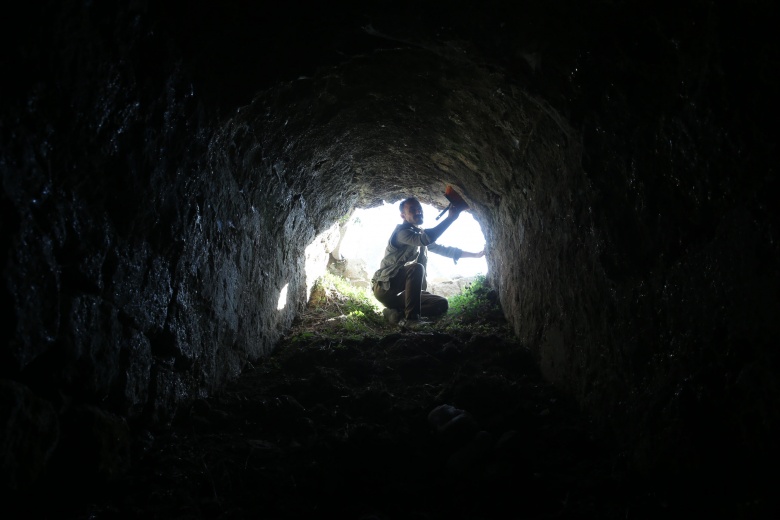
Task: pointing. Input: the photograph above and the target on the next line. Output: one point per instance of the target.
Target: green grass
(355, 301)
(475, 309)
(338, 308)
(472, 301)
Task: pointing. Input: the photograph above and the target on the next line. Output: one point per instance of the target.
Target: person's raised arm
(435, 232)
(426, 237)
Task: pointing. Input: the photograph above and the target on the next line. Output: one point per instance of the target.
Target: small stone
(452, 423)
(441, 415)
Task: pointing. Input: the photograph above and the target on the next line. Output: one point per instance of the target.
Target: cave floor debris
(329, 428)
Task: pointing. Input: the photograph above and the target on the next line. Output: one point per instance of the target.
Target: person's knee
(417, 271)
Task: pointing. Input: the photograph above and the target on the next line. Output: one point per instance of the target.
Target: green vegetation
(472, 300)
(475, 309)
(354, 300)
(339, 309)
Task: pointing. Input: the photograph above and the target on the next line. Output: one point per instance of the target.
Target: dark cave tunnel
(165, 166)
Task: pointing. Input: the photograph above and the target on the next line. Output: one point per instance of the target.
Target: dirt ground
(444, 423)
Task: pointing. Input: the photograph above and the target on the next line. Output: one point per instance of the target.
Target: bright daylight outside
(369, 230)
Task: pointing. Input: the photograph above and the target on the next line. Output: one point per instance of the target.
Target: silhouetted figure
(400, 282)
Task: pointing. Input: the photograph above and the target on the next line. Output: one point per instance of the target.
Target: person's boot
(414, 324)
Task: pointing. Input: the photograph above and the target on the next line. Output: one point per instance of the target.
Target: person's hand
(480, 254)
(454, 212)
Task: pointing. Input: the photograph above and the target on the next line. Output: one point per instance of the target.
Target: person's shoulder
(405, 226)
(403, 232)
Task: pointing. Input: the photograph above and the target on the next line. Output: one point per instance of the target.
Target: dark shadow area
(452, 422)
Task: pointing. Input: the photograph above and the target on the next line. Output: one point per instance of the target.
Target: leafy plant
(477, 306)
(472, 299)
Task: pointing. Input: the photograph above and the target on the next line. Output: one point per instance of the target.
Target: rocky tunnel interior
(166, 165)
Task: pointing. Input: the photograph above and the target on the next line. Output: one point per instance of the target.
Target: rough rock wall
(668, 105)
(94, 174)
(139, 272)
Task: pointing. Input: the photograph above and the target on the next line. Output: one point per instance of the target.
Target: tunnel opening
(341, 262)
(356, 244)
(367, 230)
